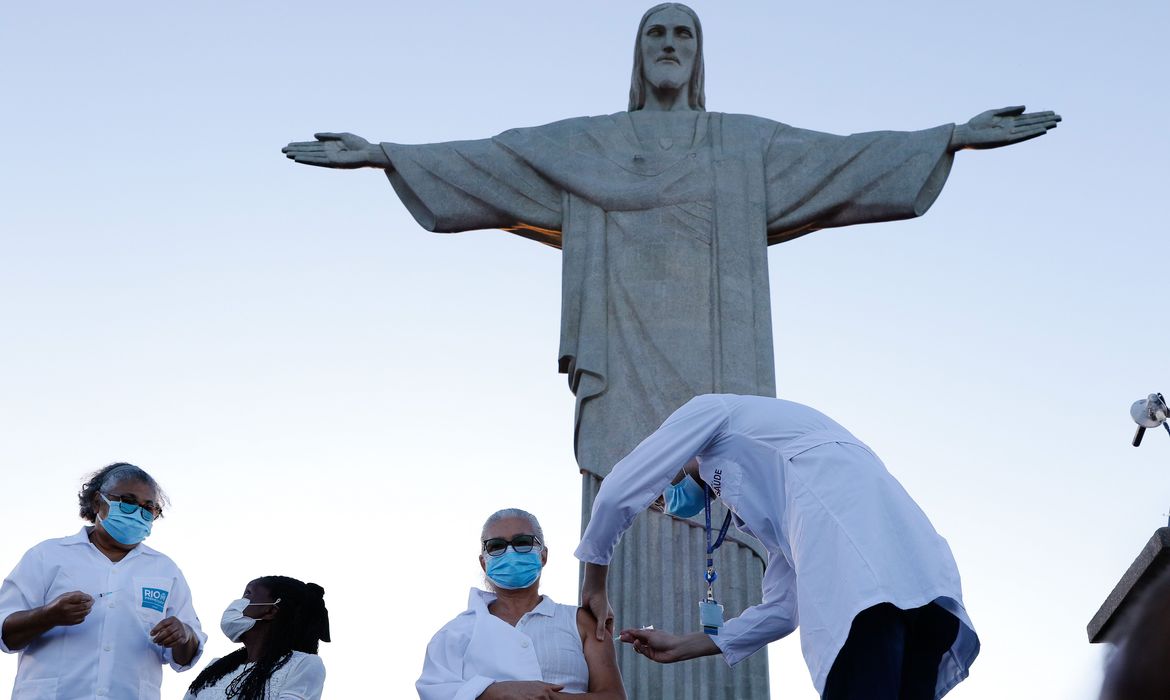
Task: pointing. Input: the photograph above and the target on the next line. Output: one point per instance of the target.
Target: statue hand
(1002, 127)
(337, 151)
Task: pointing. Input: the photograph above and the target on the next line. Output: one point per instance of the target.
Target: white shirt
(108, 655)
(841, 533)
(477, 649)
(302, 677)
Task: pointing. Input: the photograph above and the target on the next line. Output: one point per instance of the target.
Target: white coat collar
(479, 600)
(82, 537)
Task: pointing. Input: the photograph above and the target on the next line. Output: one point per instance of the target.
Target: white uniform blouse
(301, 678)
(108, 655)
(841, 533)
(477, 649)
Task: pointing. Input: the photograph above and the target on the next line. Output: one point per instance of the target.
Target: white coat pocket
(149, 598)
(40, 689)
(149, 690)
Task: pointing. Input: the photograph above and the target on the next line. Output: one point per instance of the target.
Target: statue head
(676, 54)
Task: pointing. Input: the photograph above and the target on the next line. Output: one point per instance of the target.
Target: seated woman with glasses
(99, 612)
(512, 642)
(279, 620)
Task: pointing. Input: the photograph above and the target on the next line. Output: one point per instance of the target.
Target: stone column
(656, 578)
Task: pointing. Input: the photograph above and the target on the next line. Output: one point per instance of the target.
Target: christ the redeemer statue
(664, 214)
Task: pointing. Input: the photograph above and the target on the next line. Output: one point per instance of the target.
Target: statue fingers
(1009, 111)
(1036, 118)
(306, 148)
(1047, 114)
(1028, 129)
(301, 145)
(1027, 135)
(312, 159)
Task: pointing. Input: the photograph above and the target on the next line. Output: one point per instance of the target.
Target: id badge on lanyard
(710, 610)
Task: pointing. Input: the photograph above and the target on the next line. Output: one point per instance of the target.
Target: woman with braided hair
(280, 620)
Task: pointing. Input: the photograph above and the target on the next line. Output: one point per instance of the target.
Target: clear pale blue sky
(329, 392)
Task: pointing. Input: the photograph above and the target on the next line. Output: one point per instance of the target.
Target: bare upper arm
(601, 657)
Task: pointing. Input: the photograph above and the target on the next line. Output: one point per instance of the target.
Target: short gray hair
(107, 478)
(512, 513)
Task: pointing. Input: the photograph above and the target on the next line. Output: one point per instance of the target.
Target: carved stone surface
(665, 275)
(1150, 562)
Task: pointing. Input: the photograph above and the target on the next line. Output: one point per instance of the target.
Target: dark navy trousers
(892, 654)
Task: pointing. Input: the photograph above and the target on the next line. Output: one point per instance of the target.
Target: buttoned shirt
(841, 533)
(110, 654)
(477, 649)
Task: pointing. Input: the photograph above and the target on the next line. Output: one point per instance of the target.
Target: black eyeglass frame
(519, 547)
(128, 504)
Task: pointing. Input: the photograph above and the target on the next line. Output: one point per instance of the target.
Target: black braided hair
(120, 471)
(301, 622)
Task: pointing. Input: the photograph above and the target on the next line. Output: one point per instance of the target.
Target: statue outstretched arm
(337, 151)
(451, 186)
(1002, 127)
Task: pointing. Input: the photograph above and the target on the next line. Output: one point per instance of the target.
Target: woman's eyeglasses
(129, 504)
(523, 544)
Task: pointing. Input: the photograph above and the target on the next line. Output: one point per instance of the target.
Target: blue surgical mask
(126, 528)
(684, 499)
(513, 570)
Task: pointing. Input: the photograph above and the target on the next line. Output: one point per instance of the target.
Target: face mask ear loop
(270, 606)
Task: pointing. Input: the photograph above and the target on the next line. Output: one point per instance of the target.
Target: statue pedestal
(1150, 563)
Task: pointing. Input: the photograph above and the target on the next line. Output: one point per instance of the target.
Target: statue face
(668, 47)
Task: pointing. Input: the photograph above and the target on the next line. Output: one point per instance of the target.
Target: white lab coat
(477, 649)
(108, 655)
(841, 533)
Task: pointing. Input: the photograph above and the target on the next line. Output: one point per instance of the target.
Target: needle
(646, 628)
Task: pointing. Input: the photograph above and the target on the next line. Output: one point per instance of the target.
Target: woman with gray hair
(100, 612)
(512, 643)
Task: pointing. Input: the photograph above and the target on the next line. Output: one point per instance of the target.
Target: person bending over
(852, 558)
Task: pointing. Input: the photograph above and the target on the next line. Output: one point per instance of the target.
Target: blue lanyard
(709, 575)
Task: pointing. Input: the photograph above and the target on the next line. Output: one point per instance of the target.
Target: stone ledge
(1150, 563)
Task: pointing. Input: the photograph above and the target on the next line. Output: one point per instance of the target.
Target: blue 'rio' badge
(154, 598)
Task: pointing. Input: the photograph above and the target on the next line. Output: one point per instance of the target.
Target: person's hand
(1002, 127)
(337, 151)
(170, 633)
(667, 648)
(596, 600)
(655, 645)
(68, 609)
(521, 690)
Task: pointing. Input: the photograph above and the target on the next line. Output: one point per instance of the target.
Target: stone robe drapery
(665, 277)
